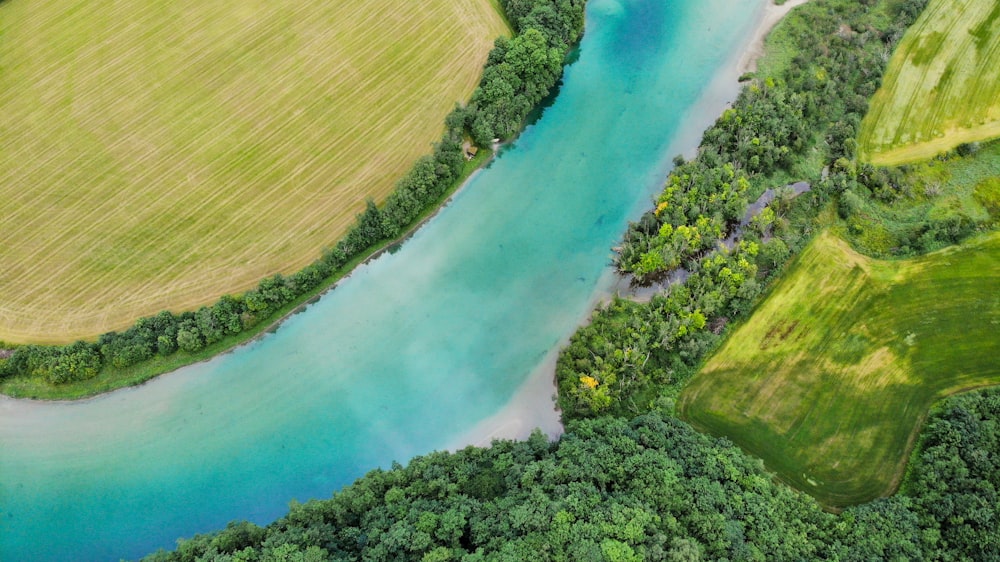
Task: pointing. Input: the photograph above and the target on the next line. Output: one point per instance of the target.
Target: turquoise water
(406, 355)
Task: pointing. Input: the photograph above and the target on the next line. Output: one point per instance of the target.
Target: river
(419, 350)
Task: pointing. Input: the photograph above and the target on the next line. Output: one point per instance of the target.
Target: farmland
(942, 87)
(156, 155)
(830, 379)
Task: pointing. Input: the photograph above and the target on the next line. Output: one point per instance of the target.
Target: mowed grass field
(831, 377)
(157, 155)
(942, 87)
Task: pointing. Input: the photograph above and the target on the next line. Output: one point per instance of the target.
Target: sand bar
(770, 17)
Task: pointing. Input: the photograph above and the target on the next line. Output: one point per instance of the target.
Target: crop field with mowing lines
(157, 155)
(942, 87)
(832, 376)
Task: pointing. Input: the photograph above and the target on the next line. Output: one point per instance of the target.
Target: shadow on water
(536, 114)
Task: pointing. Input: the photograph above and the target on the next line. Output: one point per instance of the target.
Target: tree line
(649, 488)
(518, 73)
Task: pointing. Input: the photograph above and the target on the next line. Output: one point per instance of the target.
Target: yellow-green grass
(942, 87)
(156, 155)
(831, 377)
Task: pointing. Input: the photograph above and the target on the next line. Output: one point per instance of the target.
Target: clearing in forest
(942, 87)
(157, 155)
(831, 377)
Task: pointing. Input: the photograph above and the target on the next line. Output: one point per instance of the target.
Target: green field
(156, 155)
(832, 376)
(942, 87)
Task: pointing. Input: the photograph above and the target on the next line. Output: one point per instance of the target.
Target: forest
(629, 480)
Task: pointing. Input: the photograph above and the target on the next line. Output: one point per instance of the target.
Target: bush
(849, 205)
(987, 193)
(74, 362)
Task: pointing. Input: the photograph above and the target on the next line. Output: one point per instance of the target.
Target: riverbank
(533, 405)
(111, 378)
(771, 16)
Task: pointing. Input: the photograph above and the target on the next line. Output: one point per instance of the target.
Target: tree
(189, 337)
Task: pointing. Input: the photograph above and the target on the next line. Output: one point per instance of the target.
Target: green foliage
(189, 338)
(699, 202)
(55, 365)
(885, 529)
(911, 210)
(520, 71)
(631, 353)
(561, 21)
(987, 193)
(78, 361)
(954, 478)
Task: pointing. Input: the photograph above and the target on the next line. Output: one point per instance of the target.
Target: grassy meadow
(942, 87)
(832, 376)
(959, 186)
(156, 155)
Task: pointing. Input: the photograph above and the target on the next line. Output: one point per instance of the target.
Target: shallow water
(411, 352)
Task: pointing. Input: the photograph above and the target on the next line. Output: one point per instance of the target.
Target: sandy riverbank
(770, 17)
(533, 405)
